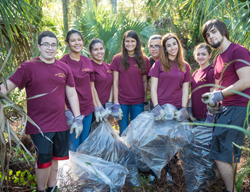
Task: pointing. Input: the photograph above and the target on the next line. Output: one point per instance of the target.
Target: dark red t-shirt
(201, 77)
(130, 85)
(47, 111)
(103, 80)
(83, 73)
(229, 77)
(170, 83)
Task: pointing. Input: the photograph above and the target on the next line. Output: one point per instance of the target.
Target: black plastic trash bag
(87, 173)
(104, 142)
(200, 172)
(157, 143)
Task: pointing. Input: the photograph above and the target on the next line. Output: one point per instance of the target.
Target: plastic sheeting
(87, 173)
(200, 172)
(104, 142)
(155, 143)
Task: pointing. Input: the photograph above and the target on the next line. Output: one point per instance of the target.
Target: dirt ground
(178, 184)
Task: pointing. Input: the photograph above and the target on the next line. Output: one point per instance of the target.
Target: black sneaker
(51, 189)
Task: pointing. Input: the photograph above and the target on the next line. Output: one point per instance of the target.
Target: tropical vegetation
(22, 20)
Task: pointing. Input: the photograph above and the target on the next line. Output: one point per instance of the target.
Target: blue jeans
(74, 143)
(133, 110)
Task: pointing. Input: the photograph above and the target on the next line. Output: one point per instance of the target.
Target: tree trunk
(65, 16)
(114, 5)
(78, 5)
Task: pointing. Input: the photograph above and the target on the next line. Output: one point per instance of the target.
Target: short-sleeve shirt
(201, 77)
(229, 76)
(130, 84)
(170, 83)
(103, 80)
(83, 73)
(47, 111)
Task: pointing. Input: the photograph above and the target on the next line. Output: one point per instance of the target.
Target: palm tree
(17, 21)
(103, 24)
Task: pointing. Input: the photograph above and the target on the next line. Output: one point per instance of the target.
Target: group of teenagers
(77, 87)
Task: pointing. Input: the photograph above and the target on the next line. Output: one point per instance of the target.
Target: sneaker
(51, 189)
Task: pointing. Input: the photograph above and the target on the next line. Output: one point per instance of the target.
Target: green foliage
(243, 174)
(109, 27)
(23, 178)
(21, 156)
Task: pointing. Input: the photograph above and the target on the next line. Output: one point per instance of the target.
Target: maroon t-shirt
(170, 83)
(83, 73)
(229, 77)
(47, 111)
(201, 77)
(103, 80)
(130, 85)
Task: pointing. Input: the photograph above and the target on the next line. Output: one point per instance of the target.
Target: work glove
(108, 107)
(159, 113)
(100, 114)
(69, 117)
(147, 106)
(210, 118)
(181, 115)
(214, 109)
(77, 126)
(117, 111)
(190, 114)
(212, 98)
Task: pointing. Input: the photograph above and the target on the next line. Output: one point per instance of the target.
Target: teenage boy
(231, 74)
(45, 74)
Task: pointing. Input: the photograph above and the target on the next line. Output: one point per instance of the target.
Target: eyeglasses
(47, 45)
(154, 47)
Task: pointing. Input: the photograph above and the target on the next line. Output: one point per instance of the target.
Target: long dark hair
(138, 52)
(166, 66)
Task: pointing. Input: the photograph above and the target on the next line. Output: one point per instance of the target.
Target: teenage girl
(204, 75)
(103, 79)
(82, 70)
(130, 69)
(170, 77)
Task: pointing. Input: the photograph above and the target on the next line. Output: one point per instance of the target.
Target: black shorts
(222, 148)
(46, 150)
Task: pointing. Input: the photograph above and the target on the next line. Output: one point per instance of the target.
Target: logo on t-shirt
(136, 65)
(202, 79)
(60, 75)
(109, 71)
(86, 69)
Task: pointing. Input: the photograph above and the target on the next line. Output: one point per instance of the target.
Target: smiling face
(154, 48)
(202, 57)
(172, 48)
(98, 52)
(130, 44)
(75, 43)
(47, 54)
(214, 37)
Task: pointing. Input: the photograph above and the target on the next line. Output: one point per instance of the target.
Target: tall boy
(232, 74)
